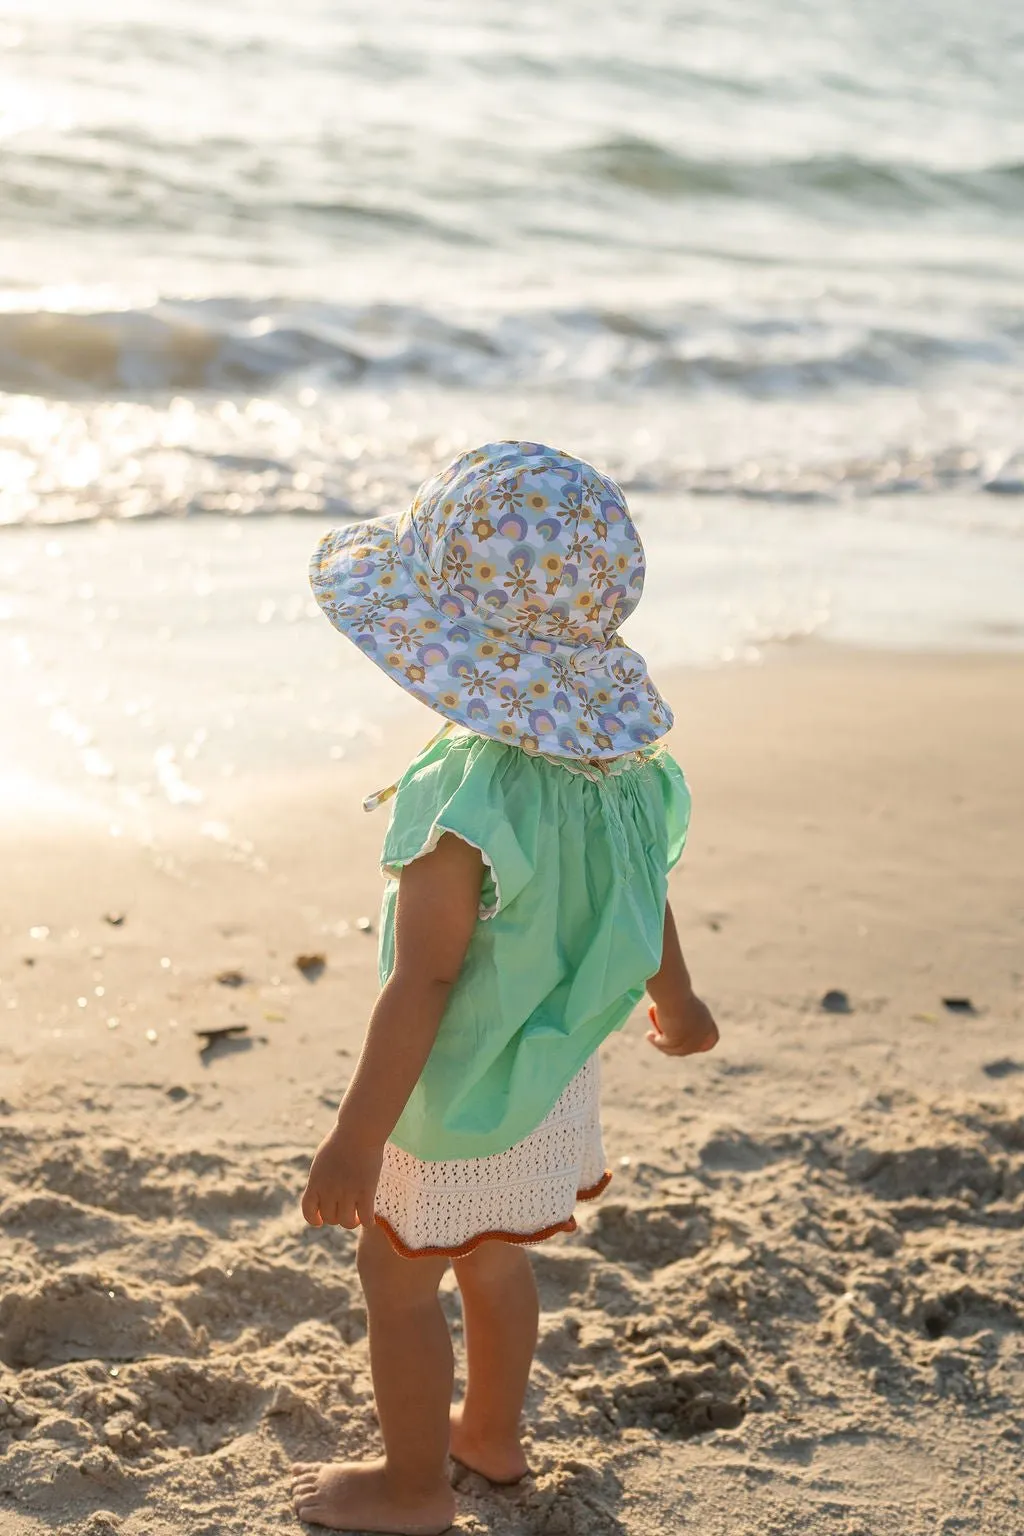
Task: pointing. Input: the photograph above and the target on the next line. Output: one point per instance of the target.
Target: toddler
(525, 913)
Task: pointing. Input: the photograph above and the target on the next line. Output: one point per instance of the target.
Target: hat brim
(522, 694)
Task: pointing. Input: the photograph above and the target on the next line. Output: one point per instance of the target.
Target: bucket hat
(496, 600)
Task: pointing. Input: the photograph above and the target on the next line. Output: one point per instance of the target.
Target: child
(525, 912)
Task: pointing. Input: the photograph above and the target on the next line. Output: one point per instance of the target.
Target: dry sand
(814, 1237)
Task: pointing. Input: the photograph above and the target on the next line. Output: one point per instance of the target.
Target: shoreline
(149, 675)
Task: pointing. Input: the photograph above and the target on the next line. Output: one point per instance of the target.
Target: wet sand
(797, 1309)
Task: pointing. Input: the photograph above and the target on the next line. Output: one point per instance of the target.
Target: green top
(572, 915)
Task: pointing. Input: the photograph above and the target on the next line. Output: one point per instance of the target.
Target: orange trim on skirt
(486, 1237)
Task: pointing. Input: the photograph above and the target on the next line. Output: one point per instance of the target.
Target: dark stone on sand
(836, 1001)
(1004, 1066)
(959, 1005)
(232, 978)
(177, 1093)
(311, 966)
(220, 1035)
(115, 919)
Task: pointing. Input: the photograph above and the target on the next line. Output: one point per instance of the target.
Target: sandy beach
(796, 1310)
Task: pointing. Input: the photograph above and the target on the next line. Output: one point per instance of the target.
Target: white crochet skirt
(520, 1196)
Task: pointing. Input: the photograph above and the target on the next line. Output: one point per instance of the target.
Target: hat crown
(532, 543)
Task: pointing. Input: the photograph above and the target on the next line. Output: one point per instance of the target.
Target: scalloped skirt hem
(524, 1238)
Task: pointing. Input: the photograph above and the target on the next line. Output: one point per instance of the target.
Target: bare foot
(498, 1461)
(363, 1497)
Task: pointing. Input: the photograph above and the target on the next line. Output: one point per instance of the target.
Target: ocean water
(265, 258)
(761, 259)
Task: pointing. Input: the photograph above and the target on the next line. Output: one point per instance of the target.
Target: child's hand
(342, 1181)
(687, 1031)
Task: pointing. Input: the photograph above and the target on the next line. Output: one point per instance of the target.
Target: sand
(797, 1309)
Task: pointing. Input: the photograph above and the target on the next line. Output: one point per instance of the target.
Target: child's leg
(411, 1361)
(499, 1299)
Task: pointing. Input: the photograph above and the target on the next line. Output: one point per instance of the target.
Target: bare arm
(682, 1025)
(438, 903)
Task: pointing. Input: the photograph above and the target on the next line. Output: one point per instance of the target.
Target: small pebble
(151, 1036)
(835, 1001)
(232, 978)
(364, 925)
(311, 966)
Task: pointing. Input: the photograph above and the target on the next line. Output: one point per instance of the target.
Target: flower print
(529, 744)
(600, 575)
(525, 619)
(537, 502)
(563, 672)
(477, 710)
(507, 731)
(394, 659)
(449, 698)
(403, 636)
(485, 570)
(483, 527)
(603, 741)
(514, 700)
(561, 623)
(549, 529)
(600, 528)
(373, 611)
(415, 673)
(509, 661)
(519, 581)
(452, 607)
(509, 496)
(477, 681)
(456, 565)
(580, 546)
(429, 626)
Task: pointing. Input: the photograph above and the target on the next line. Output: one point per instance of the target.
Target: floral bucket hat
(496, 600)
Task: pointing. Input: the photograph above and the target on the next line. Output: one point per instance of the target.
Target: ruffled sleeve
(676, 796)
(456, 786)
